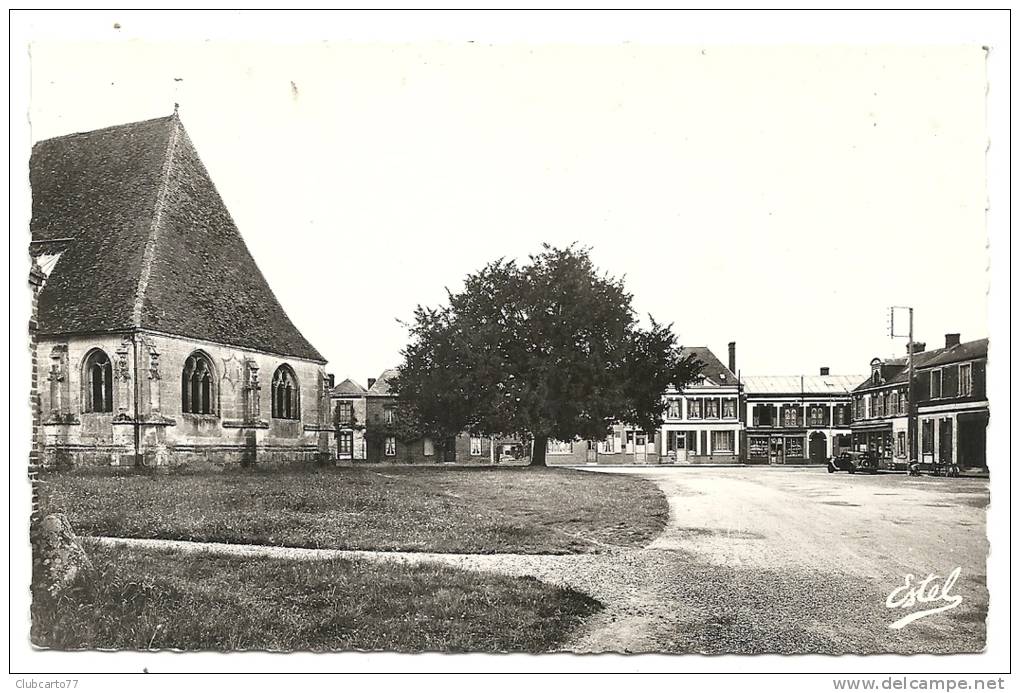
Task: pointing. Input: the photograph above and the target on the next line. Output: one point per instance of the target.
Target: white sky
(782, 198)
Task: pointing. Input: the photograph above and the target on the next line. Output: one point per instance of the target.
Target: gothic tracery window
(286, 395)
(98, 382)
(197, 385)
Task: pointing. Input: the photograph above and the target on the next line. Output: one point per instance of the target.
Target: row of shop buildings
(723, 418)
(939, 418)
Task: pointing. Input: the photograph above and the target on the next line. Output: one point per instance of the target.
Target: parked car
(853, 462)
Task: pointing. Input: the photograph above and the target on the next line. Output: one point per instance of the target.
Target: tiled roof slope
(154, 245)
(713, 369)
(795, 384)
(381, 386)
(965, 351)
(348, 388)
(98, 188)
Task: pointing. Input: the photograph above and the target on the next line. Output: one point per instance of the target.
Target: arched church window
(197, 390)
(286, 394)
(98, 379)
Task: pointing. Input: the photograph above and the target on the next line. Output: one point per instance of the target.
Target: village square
(542, 472)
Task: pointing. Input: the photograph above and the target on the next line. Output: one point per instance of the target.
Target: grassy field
(450, 510)
(161, 600)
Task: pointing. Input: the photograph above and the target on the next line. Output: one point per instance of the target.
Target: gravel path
(756, 561)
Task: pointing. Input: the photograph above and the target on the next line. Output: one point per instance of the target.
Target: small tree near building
(550, 349)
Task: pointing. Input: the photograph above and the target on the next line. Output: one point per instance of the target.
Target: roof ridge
(157, 218)
(97, 131)
(807, 375)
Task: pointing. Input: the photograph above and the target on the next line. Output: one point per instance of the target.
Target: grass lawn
(440, 509)
(163, 600)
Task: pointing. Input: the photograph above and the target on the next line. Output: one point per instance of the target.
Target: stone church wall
(148, 425)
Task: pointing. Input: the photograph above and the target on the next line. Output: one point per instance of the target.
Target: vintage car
(853, 462)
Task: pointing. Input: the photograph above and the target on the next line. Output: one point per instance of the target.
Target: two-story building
(952, 404)
(948, 398)
(349, 406)
(797, 419)
(701, 421)
(701, 424)
(881, 411)
(388, 440)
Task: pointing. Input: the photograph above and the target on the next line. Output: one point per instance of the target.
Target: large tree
(547, 349)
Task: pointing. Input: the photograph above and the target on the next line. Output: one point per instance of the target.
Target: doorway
(971, 435)
(946, 441)
(816, 448)
(640, 447)
(777, 453)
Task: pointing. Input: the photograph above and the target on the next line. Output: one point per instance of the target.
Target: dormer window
(876, 377)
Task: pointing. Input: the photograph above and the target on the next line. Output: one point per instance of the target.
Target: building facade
(948, 400)
(952, 405)
(801, 419)
(388, 440)
(158, 340)
(350, 414)
(881, 413)
(701, 422)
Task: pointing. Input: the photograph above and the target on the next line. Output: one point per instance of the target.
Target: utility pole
(911, 410)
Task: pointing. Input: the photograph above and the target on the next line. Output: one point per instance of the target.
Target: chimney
(733, 357)
(371, 382)
(952, 339)
(824, 370)
(915, 347)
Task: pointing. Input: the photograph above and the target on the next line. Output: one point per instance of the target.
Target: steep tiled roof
(796, 384)
(964, 351)
(382, 384)
(153, 247)
(713, 369)
(348, 388)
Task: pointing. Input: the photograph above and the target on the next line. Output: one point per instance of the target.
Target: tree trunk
(538, 451)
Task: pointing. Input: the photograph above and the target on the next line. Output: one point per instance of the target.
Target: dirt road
(799, 560)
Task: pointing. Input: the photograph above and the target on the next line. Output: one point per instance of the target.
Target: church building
(157, 339)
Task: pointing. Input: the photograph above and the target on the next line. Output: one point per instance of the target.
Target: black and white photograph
(352, 337)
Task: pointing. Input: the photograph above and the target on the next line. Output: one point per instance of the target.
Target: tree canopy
(547, 349)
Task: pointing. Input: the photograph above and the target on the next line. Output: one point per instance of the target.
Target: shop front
(777, 448)
(876, 439)
(953, 438)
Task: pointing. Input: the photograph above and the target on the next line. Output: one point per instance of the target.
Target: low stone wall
(189, 457)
